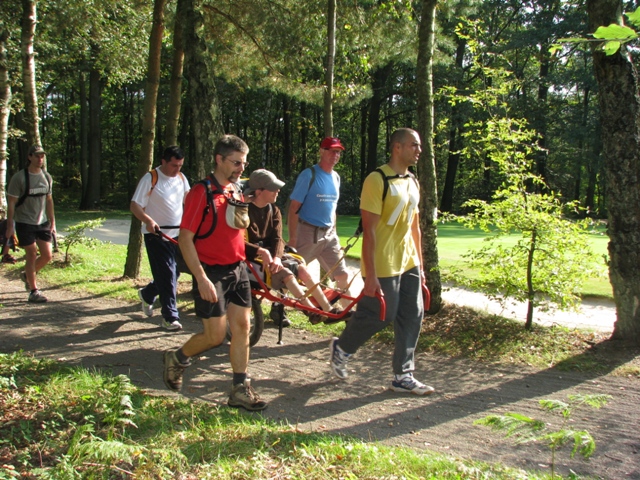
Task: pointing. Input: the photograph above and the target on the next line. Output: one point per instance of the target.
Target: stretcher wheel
(257, 323)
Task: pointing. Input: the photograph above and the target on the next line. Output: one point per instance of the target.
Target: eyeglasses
(236, 163)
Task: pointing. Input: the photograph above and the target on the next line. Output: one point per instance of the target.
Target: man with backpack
(30, 206)
(312, 213)
(212, 243)
(391, 265)
(157, 203)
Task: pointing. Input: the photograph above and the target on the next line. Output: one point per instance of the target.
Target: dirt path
(295, 379)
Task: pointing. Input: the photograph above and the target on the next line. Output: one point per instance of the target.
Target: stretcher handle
(160, 233)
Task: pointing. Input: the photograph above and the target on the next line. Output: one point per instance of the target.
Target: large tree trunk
(206, 118)
(175, 87)
(134, 249)
(328, 76)
(428, 180)
(620, 117)
(5, 109)
(375, 104)
(91, 199)
(31, 119)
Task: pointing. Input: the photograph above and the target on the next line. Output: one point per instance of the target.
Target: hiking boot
(243, 395)
(147, 308)
(408, 384)
(171, 325)
(7, 258)
(337, 311)
(37, 297)
(339, 359)
(316, 318)
(173, 370)
(23, 277)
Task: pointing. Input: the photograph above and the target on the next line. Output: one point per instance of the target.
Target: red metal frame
(265, 292)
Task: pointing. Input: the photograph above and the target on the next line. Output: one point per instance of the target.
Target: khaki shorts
(322, 244)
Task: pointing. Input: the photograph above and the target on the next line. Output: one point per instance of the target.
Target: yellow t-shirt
(395, 250)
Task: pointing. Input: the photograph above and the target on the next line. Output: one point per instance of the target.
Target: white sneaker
(408, 384)
(147, 308)
(171, 326)
(339, 359)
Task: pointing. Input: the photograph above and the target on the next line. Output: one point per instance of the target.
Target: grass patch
(59, 422)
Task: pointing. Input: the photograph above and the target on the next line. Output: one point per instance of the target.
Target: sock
(182, 358)
(34, 290)
(239, 378)
(400, 377)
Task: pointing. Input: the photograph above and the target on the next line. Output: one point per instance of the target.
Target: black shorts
(28, 234)
(232, 286)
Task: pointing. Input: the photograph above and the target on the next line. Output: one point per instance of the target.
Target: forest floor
(295, 379)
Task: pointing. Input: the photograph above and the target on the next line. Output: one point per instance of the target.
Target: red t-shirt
(225, 245)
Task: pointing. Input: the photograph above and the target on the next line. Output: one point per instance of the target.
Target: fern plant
(526, 429)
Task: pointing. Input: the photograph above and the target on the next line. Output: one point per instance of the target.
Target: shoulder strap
(25, 194)
(211, 206)
(311, 182)
(154, 179)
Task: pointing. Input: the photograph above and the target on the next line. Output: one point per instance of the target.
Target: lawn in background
(454, 240)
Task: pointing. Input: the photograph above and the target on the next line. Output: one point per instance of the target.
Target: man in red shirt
(216, 260)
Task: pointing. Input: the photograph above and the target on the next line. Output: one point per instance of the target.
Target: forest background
(259, 69)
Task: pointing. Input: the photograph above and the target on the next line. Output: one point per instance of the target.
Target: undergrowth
(60, 422)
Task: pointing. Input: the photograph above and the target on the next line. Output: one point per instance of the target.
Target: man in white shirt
(157, 203)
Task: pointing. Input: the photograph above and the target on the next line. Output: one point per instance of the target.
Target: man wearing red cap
(312, 213)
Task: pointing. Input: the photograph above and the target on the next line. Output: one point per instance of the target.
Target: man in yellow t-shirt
(391, 265)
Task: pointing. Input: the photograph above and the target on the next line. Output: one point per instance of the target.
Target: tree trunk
(363, 141)
(427, 166)
(328, 76)
(620, 117)
(304, 134)
(92, 196)
(31, 119)
(84, 138)
(375, 104)
(287, 147)
(5, 110)
(446, 203)
(175, 87)
(134, 248)
(206, 123)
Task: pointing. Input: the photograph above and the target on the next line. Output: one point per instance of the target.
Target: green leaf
(611, 47)
(615, 32)
(634, 17)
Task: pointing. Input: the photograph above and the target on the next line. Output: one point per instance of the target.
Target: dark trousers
(162, 259)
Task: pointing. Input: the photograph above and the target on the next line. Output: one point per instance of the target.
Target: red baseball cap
(331, 142)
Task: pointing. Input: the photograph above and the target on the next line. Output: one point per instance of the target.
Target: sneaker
(23, 277)
(408, 384)
(173, 371)
(147, 308)
(243, 395)
(7, 258)
(339, 359)
(172, 325)
(37, 297)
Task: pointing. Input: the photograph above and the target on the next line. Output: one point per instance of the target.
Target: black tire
(257, 323)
